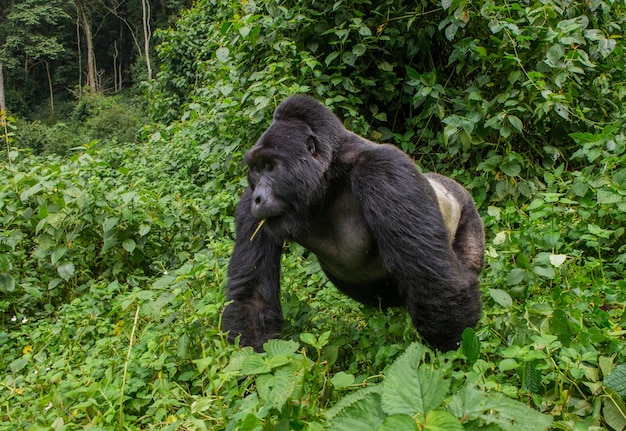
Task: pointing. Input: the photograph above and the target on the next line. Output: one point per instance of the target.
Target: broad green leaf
(410, 390)
(616, 380)
(516, 123)
(511, 415)
(144, 229)
(330, 57)
(18, 364)
(275, 347)
(66, 270)
(222, 54)
(446, 4)
(277, 387)
(501, 297)
(361, 411)
(614, 411)
(359, 49)
(5, 263)
(255, 365)
(544, 271)
(129, 245)
(515, 277)
(440, 420)
(349, 58)
(110, 223)
(58, 254)
(606, 196)
(7, 283)
(557, 259)
(308, 339)
(512, 168)
(342, 379)
(532, 377)
(507, 364)
(397, 423)
(470, 344)
(128, 197)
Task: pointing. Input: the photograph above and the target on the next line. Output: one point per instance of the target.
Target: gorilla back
(384, 233)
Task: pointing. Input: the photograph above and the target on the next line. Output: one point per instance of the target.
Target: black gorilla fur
(383, 233)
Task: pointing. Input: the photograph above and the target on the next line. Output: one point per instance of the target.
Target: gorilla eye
(269, 167)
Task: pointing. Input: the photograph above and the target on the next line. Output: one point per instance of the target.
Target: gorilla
(383, 233)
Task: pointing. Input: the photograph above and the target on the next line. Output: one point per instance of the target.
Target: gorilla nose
(260, 207)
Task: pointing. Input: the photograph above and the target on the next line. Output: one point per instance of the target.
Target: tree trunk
(146, 35)
(3, 106)
(91, 60)
(50, 89)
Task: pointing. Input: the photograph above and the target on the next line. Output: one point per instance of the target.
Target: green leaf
(511, 415)
(410, 390)
(222, 54)
(532, 377)
(606, 196)
(470, 344)
(57, 254)
(397, 423)
(66, 270)
(275, 347)
(614, 412)
(255, 365)
(308, 339)
(544, 271)
(110, 223)
(439, 420)
(516, 123)
(278, 387)
(7, 283)
(144, 229)
(360, 411)
(557, 259)
(18, 364)
(5, 263)
(515, 277)
(349, 58)
(616, 380)
(359, 49)
(511, 168)
(501, 297)
(330, 57)
(342, 379)
(507, 364)
(129, 245)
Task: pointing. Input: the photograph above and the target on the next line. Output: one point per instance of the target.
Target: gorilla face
(287, 177)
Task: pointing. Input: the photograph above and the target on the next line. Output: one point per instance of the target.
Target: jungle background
(123, 125)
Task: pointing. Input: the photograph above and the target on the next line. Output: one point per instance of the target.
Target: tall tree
(3, 105)
(30, 37)
(145, 7)
(91, 58)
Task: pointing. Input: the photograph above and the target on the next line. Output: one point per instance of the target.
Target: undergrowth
(113, 256)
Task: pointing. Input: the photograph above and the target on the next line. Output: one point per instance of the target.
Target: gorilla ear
(311, 145)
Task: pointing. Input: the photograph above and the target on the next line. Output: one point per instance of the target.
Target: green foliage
(513, 100)
(93, 118)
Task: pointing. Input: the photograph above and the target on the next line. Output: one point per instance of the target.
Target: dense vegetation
(116, 232)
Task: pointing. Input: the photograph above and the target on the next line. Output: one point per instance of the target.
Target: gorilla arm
(401, 210)
(253, 282)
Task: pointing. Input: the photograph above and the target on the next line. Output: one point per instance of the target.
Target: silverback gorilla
(384, 234)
